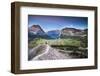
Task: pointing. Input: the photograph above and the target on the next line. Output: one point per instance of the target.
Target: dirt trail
(46, 52)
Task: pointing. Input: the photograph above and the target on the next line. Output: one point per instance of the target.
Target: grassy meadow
(57, 42)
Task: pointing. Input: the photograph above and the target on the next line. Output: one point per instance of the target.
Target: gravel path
(45, 52)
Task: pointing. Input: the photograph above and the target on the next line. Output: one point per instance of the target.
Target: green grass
(69, 42)
(59, 42)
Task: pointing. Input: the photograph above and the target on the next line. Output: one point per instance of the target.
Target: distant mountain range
(54, 34)
(36, 31)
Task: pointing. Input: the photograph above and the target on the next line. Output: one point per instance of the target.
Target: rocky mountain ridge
(36, 31)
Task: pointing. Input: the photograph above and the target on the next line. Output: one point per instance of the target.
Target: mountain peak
(36, 29)
(71, 29)
(35, 26)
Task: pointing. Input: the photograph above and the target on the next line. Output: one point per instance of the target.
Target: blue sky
(48, 23)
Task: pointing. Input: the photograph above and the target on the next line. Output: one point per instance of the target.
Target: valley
(70, 42)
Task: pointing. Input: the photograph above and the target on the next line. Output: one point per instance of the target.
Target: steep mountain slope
(72, 32)
(36, 29)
